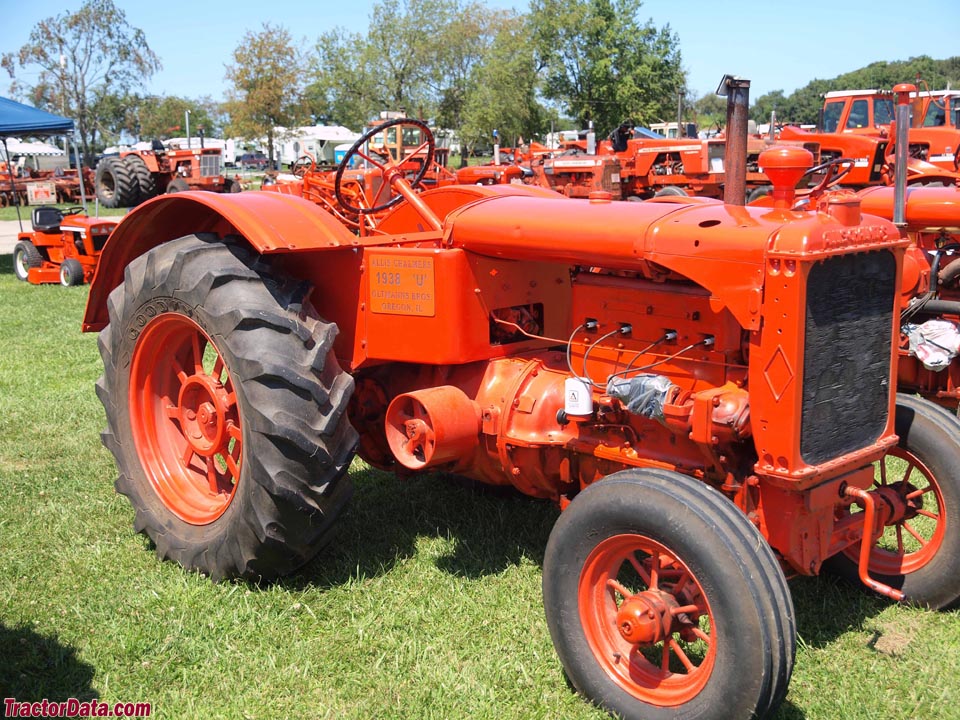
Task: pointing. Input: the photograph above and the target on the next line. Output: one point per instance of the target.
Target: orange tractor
(134, 176)
(680, 376)
(64, 246)
(857, 125)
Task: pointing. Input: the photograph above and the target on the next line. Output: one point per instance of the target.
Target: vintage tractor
(64, 246)
(133, 176)
(705, 389)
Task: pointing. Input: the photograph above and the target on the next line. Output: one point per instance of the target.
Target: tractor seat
(46, 219)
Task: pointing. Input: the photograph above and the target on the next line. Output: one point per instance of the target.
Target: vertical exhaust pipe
(737, 92)
(903, 91)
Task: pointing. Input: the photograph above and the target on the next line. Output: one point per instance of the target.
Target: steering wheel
(392, 175)
(303, 165)
(75, 210)
(832, 175)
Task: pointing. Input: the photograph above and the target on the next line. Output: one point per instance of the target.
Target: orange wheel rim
(647, 620)
(913, 541)
(185, 419)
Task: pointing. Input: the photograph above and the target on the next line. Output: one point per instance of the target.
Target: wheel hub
(202, 411)
(646, 618)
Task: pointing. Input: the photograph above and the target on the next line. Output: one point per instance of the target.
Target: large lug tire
(25, 256)
(226, 410)
(71, 272)
(145, 180)
(115, 186)
(649, 562)
(177, 185)
(671, 191)
(920, 553)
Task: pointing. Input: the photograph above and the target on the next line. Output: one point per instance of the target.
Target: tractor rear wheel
(920, 553)
(226, 410)
(25, 256)
(145, 181)
(71, 272)
(116, 187)
(664, 601)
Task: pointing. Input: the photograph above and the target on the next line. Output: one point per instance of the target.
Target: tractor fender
(269, 222)
(927, 207)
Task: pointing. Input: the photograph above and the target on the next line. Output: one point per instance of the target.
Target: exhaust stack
(903, 91)
(737, 92)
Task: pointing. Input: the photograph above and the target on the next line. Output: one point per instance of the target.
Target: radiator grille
(846, 372)
(209, 165)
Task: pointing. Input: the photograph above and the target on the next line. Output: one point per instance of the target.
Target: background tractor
(678, 375)
(134, 176)
(64, 246)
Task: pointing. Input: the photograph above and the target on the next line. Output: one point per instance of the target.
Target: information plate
(401, 284)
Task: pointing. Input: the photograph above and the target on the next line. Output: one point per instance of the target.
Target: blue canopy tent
(19, 119)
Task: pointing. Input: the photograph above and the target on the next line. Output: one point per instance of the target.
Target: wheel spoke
(678, 651)
(212, 478)
(702, 635)
(900, 550)
(616, 587)
(689, 609)
(654, 570)
(232, 467)
(665, 658)
(187, 455)
(883, 472)
(641, 571)
(197, 353)
(918, 493)
(917, 536)
(217, 368)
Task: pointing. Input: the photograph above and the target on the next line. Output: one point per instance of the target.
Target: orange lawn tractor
(64, 246)
(134, 176)
(706, 391)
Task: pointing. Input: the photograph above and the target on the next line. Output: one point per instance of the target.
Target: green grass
(10, 213)
(427, 605)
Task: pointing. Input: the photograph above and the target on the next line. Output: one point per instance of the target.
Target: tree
(164, 117)
(603, 65)
(397, 65)
(711, 111)
(267, 86)
(502, 92)
(86, 60)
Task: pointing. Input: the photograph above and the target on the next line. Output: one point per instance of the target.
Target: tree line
(457, 63)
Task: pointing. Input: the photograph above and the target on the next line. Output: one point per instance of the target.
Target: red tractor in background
(680, 376)
(134, 176)
(64, 246)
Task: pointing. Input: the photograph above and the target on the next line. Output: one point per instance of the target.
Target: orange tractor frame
(678, 375)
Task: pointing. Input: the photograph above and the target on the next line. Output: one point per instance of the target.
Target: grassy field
(427, 605)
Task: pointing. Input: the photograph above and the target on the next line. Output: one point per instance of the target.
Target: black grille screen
(846, 370)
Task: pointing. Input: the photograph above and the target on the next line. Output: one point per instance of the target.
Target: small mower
(63, 246)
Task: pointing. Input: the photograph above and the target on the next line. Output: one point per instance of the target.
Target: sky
(776, 45)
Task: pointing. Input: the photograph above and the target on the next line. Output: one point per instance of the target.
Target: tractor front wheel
(663, 601)
(919, 552)
(226, 410)
(25, 256)
(177, 185)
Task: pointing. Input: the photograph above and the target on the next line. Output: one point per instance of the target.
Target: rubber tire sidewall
(738, 670)
(25, 253)
(267, 529)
